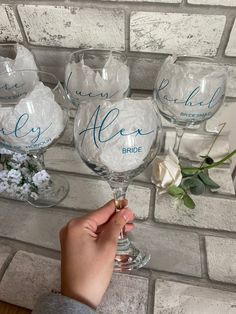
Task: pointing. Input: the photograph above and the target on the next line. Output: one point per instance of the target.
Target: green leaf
(189, 183)
(208, 181)
(199, 187)
(188, 201)
(176, 191)
(189, 171)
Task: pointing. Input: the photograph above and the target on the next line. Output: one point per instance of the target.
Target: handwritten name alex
(104, 131)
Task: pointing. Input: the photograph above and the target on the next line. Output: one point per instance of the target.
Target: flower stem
(215, 164)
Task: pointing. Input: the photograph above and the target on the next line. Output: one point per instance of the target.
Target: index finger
(103, 214)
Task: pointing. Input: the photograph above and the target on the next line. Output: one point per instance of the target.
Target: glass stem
(178, 138)
(119, 192)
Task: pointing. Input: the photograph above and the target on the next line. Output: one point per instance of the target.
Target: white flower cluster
(22, 176)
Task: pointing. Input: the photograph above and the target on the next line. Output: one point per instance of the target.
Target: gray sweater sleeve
(58, 304)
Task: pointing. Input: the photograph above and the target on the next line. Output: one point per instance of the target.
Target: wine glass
(189, 92)
(15, 57)
(33, 116)
(96, 75)
(118, 139)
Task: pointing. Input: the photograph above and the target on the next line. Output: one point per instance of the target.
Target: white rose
(166, 172)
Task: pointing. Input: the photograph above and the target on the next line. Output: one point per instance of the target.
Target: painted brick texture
(189, 34)
(9, 28)
(73, 27)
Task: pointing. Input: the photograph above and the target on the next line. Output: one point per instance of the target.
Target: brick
(143, 72)
(231, 47)
(229, 3)
(73, 27)
(64, 158)
(171, 250)
(99, 193)
(9, 28)
(4, 253)
(121, 286)
(202, 143)
(189, 34)
(221, 259)
(27, 277)
(20, 221)
(180, 298)
(40, 274)
(224, 178)
(211, 212)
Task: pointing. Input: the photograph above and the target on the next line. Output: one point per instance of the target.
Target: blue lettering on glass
(189, 99)
(7, 87)
(104, 95)
(22, 124)
(131, 150)
(10, 87)
(107, 121)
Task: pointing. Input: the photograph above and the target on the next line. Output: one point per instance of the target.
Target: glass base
(128, 257)
(57, 191)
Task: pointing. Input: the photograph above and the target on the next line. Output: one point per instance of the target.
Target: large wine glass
(13, 57)
(188, 92)
(93, 74)
(33, 116)
(118, 140)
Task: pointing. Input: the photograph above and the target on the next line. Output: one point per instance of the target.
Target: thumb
(113, 228)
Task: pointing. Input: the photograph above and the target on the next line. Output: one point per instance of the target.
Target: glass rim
(34, 71)
(183, 57)
(99, 51)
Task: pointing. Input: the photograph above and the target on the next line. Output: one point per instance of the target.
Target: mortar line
(203, 257)
(151, 294)
(6, 264)
(225, 37)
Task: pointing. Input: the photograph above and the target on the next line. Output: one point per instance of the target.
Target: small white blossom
(166, 172)
(19, 158)
(14, 176)
(12, 189)
(34, 195)
(3, 186)
(25, 188)
(41, 178)
(3, 175)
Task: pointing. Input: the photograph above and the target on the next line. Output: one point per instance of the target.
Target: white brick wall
(230, 3)
(210, 212)
(221, 259)
(180, 298)
(190, 34)
(9, 28)
(73, 27)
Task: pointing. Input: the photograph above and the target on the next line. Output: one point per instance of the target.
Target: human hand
(88, 249)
